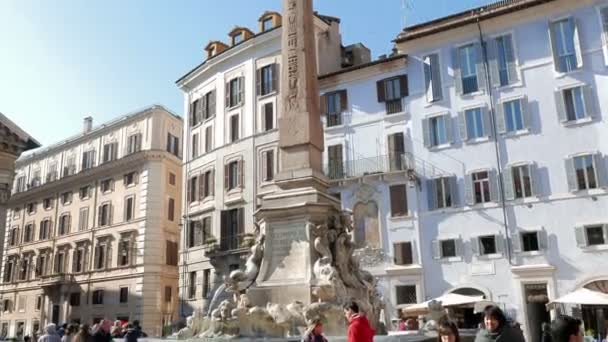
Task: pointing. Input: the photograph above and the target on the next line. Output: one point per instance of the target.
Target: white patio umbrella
(581, 296)
(447, 300)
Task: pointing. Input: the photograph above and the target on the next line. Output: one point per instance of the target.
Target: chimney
(88, 124)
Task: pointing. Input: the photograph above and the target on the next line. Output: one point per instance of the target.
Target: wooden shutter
(604, 17)
(510, 57)
(431, 194)
(501, 125)
(475, 245)
(516, 242)
(403, 85)
(481, 68)
(391, 146)
(493, 179)
(264, 166)
(241, 176)
(571, 175)
(487, 126)
(462, 126)
(454, 193)
(201, 186)
(426, 132)
(408, 257)
(343, 100)
(600, 170)
(241, 221)
(468, 189)
(428, 78)
(535, 185)
(275, 77)
(212, 183)
(227, 176)
(323, 104)
(543, 240)
(507, 176)
(457, 71)
(381, 91)
(398, 258)
(211, 104)
(527, 118)
(436, 249)
(189, 191)
(199, 109)
(560, 106)
(258, 82)
(448, 128)
(224, 233)
(553, 38)
(241, 86)
(227, 93)
(492, 48)
(577, 42)
(589, 100)
(581, 236)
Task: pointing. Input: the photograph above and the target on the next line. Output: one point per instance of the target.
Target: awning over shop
(447, 300)
(581, 296)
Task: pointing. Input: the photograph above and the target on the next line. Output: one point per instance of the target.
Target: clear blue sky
(63, 60)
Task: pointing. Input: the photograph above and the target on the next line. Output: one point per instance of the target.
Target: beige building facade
(93, 227)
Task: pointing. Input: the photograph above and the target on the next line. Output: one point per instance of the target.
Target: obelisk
(287, 215)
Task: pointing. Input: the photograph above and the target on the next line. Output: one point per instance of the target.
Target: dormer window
(212, 51)
(267, 24)
(237, 38)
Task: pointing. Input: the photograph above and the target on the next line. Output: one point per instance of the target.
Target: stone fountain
(301, 266)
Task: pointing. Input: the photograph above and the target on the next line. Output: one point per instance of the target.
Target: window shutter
(516, 242)
(428, 78)
(605, 229)
(264, 166)
(507, 176)
(553, 37)
(526, 117)
(560, 106)
(454, 194)
(199, 109)
(381, 91)
(343, 100)
(510, 56)
(227, 93)
(475, 246)
(577, 42)
(535, 185)
(408, 256)
(500, 244)
(211, 104)
(431, 194)
(226, 176)
(189, 191)
(391, 147)
(99, 216)
(589, 98)
(600, 170)
(426, 132)
(110, 213)
(604, 17)
(241, 175)
(275, 77)
(468, 189)
(457, 71)
(436, 249)
(501, 125)
(448, 129)
(543, 240)
(493, 61)
(494, 193)
(571, 175)
(403, 85)
(241, 221)
(201, 186)
(323, 104)
(581, 236)
(212, 183)
(258, 82)
(241, 83)
(462, 126)
(398, 258)
(436, 77)
(487, 122)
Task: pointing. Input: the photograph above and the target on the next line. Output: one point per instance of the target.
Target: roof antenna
(406, 7)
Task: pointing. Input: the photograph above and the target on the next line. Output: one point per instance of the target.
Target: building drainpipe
(501, 185)
(185, 215)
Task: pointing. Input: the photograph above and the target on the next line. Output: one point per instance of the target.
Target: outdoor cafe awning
(581, 296)
(447, 300)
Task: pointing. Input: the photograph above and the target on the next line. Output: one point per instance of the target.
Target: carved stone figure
(240, 280)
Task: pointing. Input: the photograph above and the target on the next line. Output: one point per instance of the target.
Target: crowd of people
(104, 331)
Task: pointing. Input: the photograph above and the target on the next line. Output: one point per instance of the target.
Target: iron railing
(229, 243)
(394, 106)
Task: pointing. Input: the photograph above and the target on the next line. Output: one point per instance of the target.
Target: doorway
(55, 314)
(536, 298)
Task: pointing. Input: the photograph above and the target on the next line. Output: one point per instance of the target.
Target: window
(195, 234)
(468, 68)
(31, 208)
(65, 221)
(28, 233)
(191, 285)
(208, 138)
(130, 178)
(83, 219)
(100, 255)
(84, 192)
(195, 112)
(171, 253)
(268, 110)
(208, 105)
(52, 174)
(391, 91)
(16, 213)
(20, 184)
(582, 171)
(110, 152)
(234, 92)
(595, 235)
(6, 306)
(267, 24)
(194, 145)
(396, 151)
(234, 128)
(233, 175)
(566, 45)
(129, 213)
(335, 162)
(124, 295)
(88, 160)
(268, 165)
(448, 248)
(42, 264)
(193, 189)
(167, 294)
(98, 297)
(171, 178)
(437, 130)
(441, 192)
(107, 185)
(406, 294)
(171, 210)
(529, 242)
(47, 203)
(334, 104)
(232, 226)
(24, 269)
(502, 61)
(206, 282)
(574, 103)
(35, 179)
(237, 38)
(481, 186)
(487, 245)
(266, 80)
(66, 198)
(38, 304)
(60, 258)
(403, 253)
(398, 200)
(432, 78)
(70, 166)
(134, 143)
(75, 299)
(45, 229)
(208, 183)
(124, 251)
(79, 260)
(522, 181)
(173, 144)
(9, 270)
(510, 116)
(13, 236)
(105, 215)
(475, 126)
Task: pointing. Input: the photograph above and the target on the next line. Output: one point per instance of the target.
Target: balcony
(229, 244)
(56, 279)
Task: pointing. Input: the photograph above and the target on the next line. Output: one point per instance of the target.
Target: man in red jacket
(359, 329)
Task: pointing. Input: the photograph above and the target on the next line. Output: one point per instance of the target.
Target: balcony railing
(56, 279)
(230, 243)
(394, 106)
